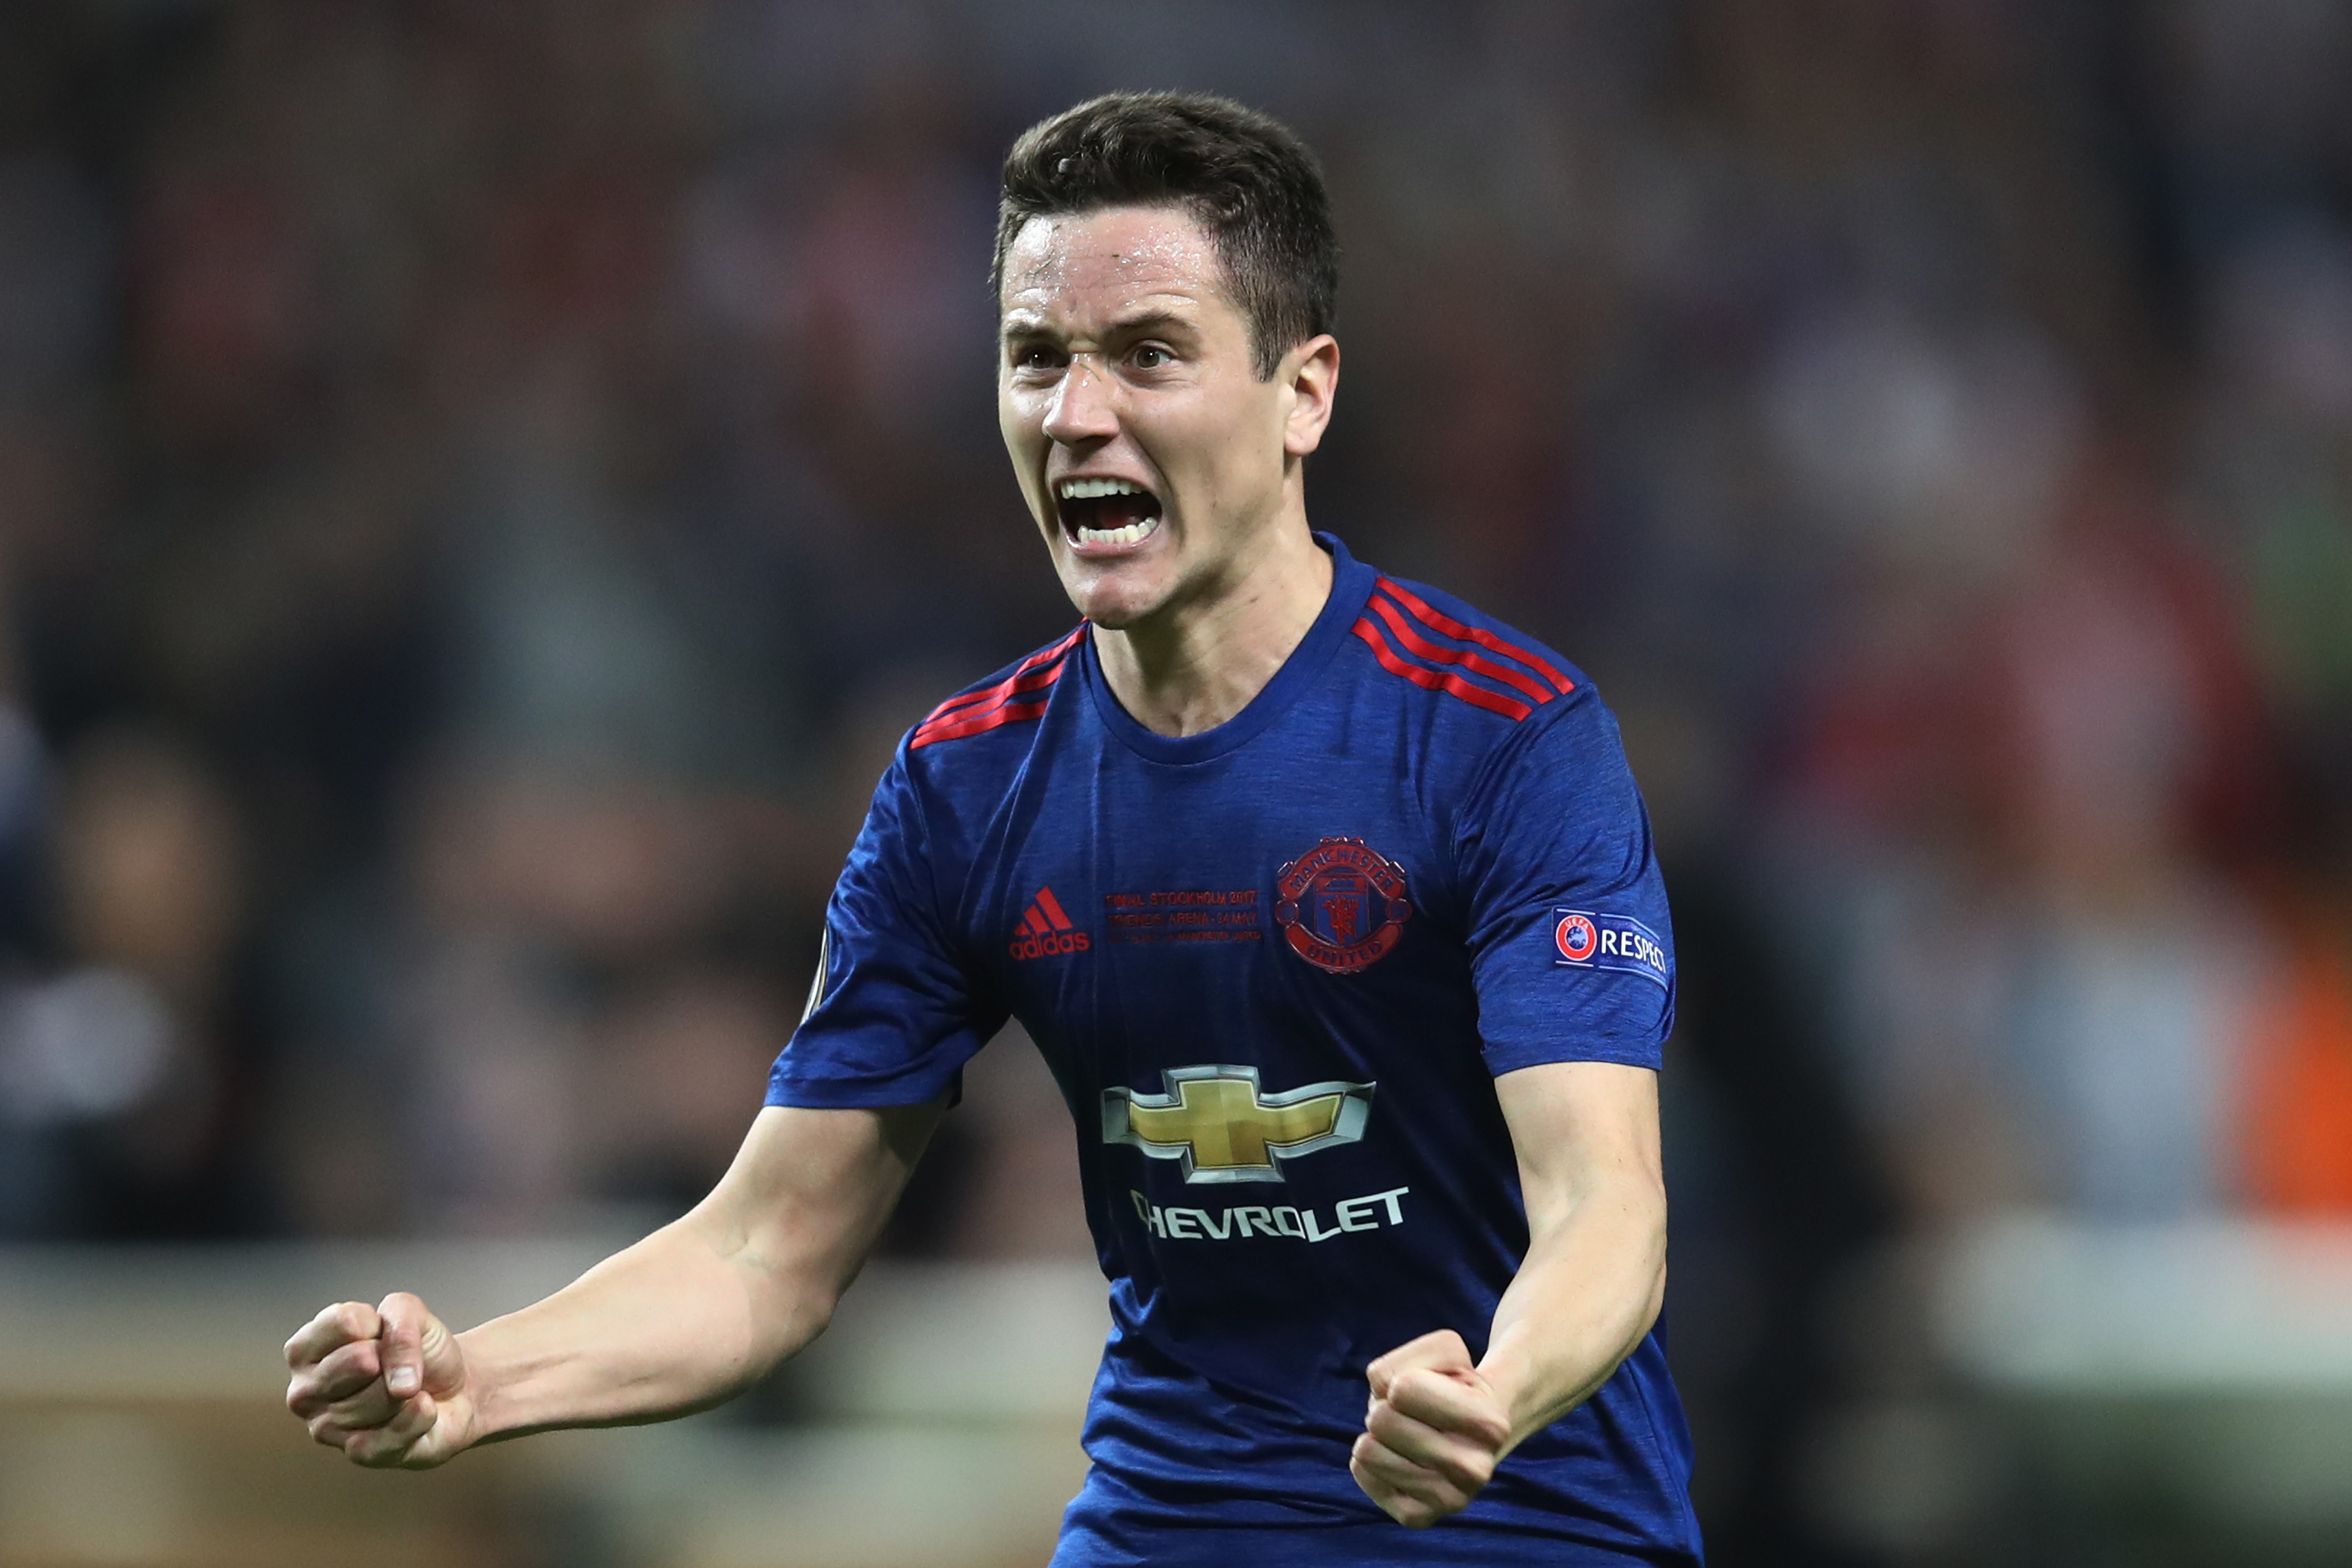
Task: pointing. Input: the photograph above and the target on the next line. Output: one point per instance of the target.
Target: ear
(1310, 374)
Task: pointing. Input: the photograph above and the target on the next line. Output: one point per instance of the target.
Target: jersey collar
(1351, 590)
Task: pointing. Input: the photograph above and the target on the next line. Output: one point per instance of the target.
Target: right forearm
(681, 1320)
(676, 1323)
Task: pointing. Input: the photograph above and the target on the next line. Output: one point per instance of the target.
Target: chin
(1114, 611)
(1115, 616)
(1115, 599)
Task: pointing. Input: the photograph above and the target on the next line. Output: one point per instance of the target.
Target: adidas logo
(1045, 930)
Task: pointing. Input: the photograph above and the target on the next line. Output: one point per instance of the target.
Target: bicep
(897, 1007)
(812, 1188)
(1580, 1128)
(1570, 948)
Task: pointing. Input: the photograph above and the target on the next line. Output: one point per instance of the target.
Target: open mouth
(1106, 514)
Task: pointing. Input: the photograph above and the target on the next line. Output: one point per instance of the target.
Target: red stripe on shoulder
(1009, 684)
(1000, 699)
(1449, 682)
(1470, 658)
(958, 726)
(1438, 620)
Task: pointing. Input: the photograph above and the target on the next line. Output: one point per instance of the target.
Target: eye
(1150, 356)
(1034, 357)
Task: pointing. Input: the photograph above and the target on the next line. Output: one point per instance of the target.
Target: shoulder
(955, 768)
(1497, 712)
(1466, 665)
(1006, 700)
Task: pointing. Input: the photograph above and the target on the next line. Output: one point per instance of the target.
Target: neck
(1198, 662)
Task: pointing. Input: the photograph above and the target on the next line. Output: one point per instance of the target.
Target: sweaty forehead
(1097, 262)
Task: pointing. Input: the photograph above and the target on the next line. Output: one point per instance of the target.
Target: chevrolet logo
(1217, 1122)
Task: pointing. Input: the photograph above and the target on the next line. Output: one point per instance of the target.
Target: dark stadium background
(482, 486)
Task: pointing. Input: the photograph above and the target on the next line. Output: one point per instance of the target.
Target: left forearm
(1586, 1136)
(1590, 1288)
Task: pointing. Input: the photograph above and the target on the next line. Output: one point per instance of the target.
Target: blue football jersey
(1276, 968)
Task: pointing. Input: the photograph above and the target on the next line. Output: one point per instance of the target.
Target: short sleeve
(893, 1015)
(1571, 950)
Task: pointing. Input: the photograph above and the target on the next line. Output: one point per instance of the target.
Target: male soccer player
(1328, 899)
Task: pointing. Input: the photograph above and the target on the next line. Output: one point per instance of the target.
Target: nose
(1081, 410)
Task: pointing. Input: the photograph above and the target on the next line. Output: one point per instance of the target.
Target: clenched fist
(1434, 1433)
(385, 1384)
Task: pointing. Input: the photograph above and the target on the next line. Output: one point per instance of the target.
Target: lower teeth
(1127, 535)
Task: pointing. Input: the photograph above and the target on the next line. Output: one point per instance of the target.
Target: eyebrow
(1125, 326)
(1150, 322)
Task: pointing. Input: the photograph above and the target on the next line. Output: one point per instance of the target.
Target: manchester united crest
(1341, 905)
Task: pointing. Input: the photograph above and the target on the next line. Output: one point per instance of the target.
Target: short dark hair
(1245, 177)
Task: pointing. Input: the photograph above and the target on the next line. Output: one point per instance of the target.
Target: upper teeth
(1087, 490)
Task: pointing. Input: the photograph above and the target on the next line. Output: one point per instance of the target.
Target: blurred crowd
(482, 487)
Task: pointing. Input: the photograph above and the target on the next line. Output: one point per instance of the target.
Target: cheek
(1242, 450)
(1021, 445)
(1022, 429)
